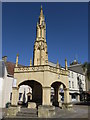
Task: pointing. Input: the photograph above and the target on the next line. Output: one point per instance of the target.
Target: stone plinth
(67, 105)
(12, 111)
(31, 105)
(46, 111)
(60, 104)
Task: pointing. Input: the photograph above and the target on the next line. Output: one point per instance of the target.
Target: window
(82, 86)
(10, 96)
(69, 74)
(78, 83)
(69, 84)
(82, 78)
(72, 74)
(72, 84)
(20, 95)
(77, 74)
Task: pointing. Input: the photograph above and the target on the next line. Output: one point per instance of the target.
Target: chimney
(4, 58)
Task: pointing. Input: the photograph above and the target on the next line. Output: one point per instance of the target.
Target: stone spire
(41, 27)
(41, 12)
(66, 68)
(41, 17)
(40, 46)
(17, 60)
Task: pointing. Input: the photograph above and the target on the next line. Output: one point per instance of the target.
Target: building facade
(77, 81)
(6, 81)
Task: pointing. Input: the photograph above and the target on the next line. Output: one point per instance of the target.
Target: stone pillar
(66, 95)
(46, 95)
(15, 96)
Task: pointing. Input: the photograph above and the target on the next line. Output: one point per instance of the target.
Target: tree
(86, 69)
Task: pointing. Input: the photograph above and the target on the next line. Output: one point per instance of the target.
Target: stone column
(46, 95)
(15, 96)
(66, 95)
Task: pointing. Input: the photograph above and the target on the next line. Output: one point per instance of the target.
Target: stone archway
(56, 95)
(36, 92)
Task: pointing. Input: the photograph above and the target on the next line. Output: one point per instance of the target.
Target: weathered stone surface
(12, 111)
(60, 104)
(67, 105)
(46, 111)
(31, 105)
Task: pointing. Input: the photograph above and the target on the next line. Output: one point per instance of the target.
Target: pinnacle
(41, 6)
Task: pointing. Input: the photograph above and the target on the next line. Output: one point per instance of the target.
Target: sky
(66, 31)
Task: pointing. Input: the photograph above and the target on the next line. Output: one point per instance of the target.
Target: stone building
(77, 81)
(46, 82)
(41, 75)
(6, 80)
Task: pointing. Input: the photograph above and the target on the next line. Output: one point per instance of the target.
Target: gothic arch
(36, 90)
(58, 81)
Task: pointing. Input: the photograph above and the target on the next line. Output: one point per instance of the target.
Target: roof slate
(76, 68)
(10, 67)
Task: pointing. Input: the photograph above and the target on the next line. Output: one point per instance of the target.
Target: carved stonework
(40, 46)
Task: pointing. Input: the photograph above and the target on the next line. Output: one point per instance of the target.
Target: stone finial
(30, 62)
(41, 12)
(17, 60)
(57, 65)
(66, 68)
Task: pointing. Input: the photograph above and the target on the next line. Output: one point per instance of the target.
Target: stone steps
(28, 110)
(27, 113)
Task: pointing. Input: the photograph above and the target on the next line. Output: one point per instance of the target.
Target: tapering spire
(17, 60)
(41, 17)
(40, 46)
(41, 12)
(66, 68)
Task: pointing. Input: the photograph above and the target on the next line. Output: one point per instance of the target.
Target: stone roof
(76, 68)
